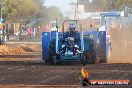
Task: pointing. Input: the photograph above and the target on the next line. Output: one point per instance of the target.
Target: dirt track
(27, 73)
(37, 74)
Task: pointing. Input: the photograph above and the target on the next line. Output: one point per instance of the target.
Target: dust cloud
(121, 44)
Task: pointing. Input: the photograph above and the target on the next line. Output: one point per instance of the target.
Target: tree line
(23, 11)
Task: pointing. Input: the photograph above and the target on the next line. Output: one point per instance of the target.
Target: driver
(71, 31)
(72, 38)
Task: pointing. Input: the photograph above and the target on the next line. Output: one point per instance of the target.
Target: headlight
(63, 46)
(76, 46)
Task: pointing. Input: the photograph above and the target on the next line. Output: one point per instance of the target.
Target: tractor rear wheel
(52, 56)
(103, 58)
(89, 57)
(94, 60)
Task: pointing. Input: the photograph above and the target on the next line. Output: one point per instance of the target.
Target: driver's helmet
(72, 27)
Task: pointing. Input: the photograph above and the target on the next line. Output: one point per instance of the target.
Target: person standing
(29, 30)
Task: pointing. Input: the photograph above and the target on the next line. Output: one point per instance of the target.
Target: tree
(2, 7)
(39, 2)
(23, 10)
(17, 10)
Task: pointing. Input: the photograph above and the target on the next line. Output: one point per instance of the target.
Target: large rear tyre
(103, 58)
(52, 56)
(108, 55)
(94, 60)
(90, 57)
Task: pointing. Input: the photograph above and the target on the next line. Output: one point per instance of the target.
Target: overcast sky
(59, 3)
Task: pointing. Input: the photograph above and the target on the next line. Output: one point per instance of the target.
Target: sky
(59, 3)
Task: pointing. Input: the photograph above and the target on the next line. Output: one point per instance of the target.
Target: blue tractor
(72, 44)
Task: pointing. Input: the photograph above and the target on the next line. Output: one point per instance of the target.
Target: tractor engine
(71, 39)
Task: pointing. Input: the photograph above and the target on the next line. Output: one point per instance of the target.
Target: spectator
(29, 30)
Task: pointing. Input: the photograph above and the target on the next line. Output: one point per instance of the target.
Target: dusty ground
(19, 69)
(37, 75)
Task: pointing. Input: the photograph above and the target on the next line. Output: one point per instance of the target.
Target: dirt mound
(18, 49)
(11, 50)
(20, 52)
